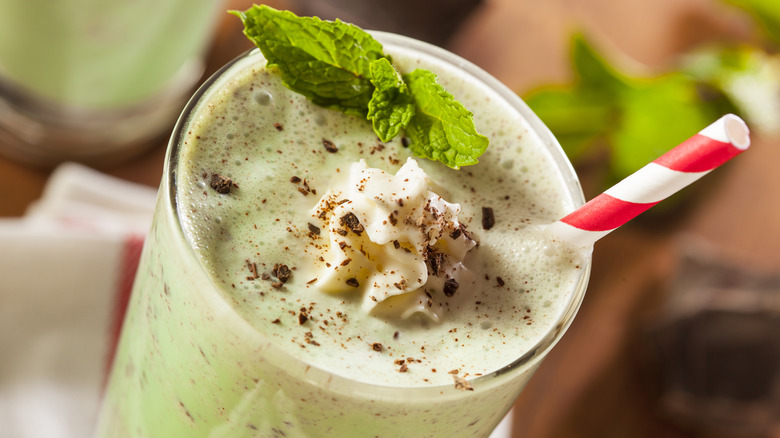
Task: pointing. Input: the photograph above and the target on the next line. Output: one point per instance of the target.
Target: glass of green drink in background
(229, 331)
(95, 80)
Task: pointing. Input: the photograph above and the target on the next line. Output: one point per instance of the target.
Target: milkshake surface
(270, 142)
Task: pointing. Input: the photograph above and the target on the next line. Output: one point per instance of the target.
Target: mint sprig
(339, 66)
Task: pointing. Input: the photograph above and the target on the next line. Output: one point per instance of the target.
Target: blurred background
(679, 333)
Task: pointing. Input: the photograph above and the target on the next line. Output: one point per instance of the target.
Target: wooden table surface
(594, 383)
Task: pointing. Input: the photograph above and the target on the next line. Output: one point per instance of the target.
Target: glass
(246, 383)
(95, 81)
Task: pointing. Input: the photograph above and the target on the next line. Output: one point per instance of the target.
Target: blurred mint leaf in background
(749, 76)
(766, 13)
(636, 119)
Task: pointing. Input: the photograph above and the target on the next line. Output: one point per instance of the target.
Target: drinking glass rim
(336, 382)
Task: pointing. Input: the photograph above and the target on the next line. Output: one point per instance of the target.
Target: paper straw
(686, 163)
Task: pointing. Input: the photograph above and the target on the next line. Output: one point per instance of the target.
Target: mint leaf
(391, 106)
(578, 116)
(592, 69)
(441, 129)
(326, 61)
(656, 114)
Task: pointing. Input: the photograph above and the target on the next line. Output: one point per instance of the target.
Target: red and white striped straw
(686, 163)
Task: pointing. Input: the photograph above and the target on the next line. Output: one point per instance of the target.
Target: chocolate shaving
(352, 222)
(352, 282)
(295, 180)
(450, 287)
(434, 260)
(221, 184)
(302, 318)
(314, 229)
(278, 126)
(488, 219)
(252, 269)
(282, 272)
(346, 262)
(376, 346)
(329, 146)
(500, 281)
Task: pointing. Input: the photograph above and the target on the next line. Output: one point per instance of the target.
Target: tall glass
(96, 81)
(188, 365)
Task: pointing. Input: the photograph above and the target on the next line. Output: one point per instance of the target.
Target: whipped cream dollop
(392, 239)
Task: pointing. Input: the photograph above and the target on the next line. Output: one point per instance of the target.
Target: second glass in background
(94, 80)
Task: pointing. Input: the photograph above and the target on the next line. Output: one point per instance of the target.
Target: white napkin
(64, 268)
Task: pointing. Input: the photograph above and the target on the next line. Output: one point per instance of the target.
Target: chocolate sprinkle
(221, 184)
(434, 260)
(282, 272)
(488, 219)
(450, 286)
(352, 222)
(329, 146)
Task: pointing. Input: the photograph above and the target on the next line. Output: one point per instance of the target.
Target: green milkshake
(87, 80)
(284, 289)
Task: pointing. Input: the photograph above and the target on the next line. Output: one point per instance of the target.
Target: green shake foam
(245, 341)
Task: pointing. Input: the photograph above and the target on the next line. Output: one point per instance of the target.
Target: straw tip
(737, 131)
